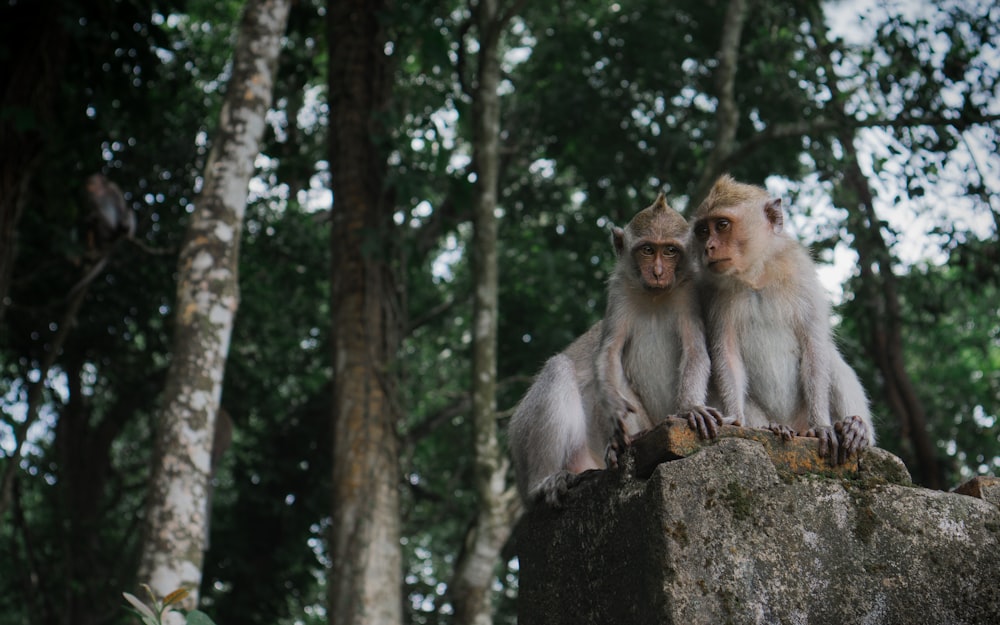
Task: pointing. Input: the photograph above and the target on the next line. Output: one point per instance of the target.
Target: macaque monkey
(774, 361)
(646, 360)
(109, 219)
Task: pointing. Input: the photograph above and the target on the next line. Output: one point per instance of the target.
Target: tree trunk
(884, 320)
(878, 288)
(727, 115)
(364, 581)
(471, 587)
(207, 299)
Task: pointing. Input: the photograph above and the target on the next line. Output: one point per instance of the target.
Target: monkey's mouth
(657, 286)
(718, 264)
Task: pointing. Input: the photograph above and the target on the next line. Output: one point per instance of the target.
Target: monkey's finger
(715, 414)
(611, 456)
(705, 427)
(782, 431)
(827, 442)
(710, 427)
(832, 446)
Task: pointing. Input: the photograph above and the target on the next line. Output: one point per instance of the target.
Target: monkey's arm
(616, 399)
(695, 371)
(815, 375)
(728, 367)
(855, 432)
(815, 361)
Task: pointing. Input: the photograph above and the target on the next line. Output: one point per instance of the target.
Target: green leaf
(143, 610)
(197, 617)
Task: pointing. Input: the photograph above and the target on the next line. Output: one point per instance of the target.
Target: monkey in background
(774, 361)
(109, 219)
(646, 360)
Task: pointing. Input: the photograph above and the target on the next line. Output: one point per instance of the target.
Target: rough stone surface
(983, 487)
(674, 439)
(725, 535)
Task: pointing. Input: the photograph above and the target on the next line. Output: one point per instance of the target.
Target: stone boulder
(748, 529)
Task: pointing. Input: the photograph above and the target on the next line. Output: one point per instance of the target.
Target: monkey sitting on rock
(774, 361)
(646, 360)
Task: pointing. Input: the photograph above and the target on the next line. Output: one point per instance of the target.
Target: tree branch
(821, 125)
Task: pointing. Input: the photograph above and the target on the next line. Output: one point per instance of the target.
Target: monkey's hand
(786, 433)
(704, 420)
(620, 440)
(616, 409)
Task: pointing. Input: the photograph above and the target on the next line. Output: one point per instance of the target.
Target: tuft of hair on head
(661, 202)
(727, 191)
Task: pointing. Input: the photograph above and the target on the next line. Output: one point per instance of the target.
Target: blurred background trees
(879, 125)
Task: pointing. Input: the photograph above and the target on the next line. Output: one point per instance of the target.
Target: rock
(983, 487)
(729, 534)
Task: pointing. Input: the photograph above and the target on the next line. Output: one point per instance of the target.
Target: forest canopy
(495, 136)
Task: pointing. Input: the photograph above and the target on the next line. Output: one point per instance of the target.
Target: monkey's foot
(704, 420)
(782, 431)
(853, 435)
(555, 488)
(840, 442)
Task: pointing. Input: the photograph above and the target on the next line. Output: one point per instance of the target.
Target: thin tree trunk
(364, 581)
(471, 587)
(881, 302)
(881, 298)
(727, 115)
(207, 299)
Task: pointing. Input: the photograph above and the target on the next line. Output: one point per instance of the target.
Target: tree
(727, 113)
(366, 560)
(498, 505)
(207, 299)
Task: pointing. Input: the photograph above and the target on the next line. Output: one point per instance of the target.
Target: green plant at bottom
(153, 612)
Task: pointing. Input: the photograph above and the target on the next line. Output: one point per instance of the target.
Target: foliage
(603, 105)
(952, 337)
(153, 613)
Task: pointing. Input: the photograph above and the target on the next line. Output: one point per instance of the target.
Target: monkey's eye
(647, 250)
(701, 231)
(722, 225)
(670, 251)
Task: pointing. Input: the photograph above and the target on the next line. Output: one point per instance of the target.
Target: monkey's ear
(774, 214)
(618, 238)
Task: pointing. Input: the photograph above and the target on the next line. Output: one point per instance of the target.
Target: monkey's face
(656, 263)
(723, 250)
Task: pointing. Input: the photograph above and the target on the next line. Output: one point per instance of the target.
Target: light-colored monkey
(646, 360)
(774, 360)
